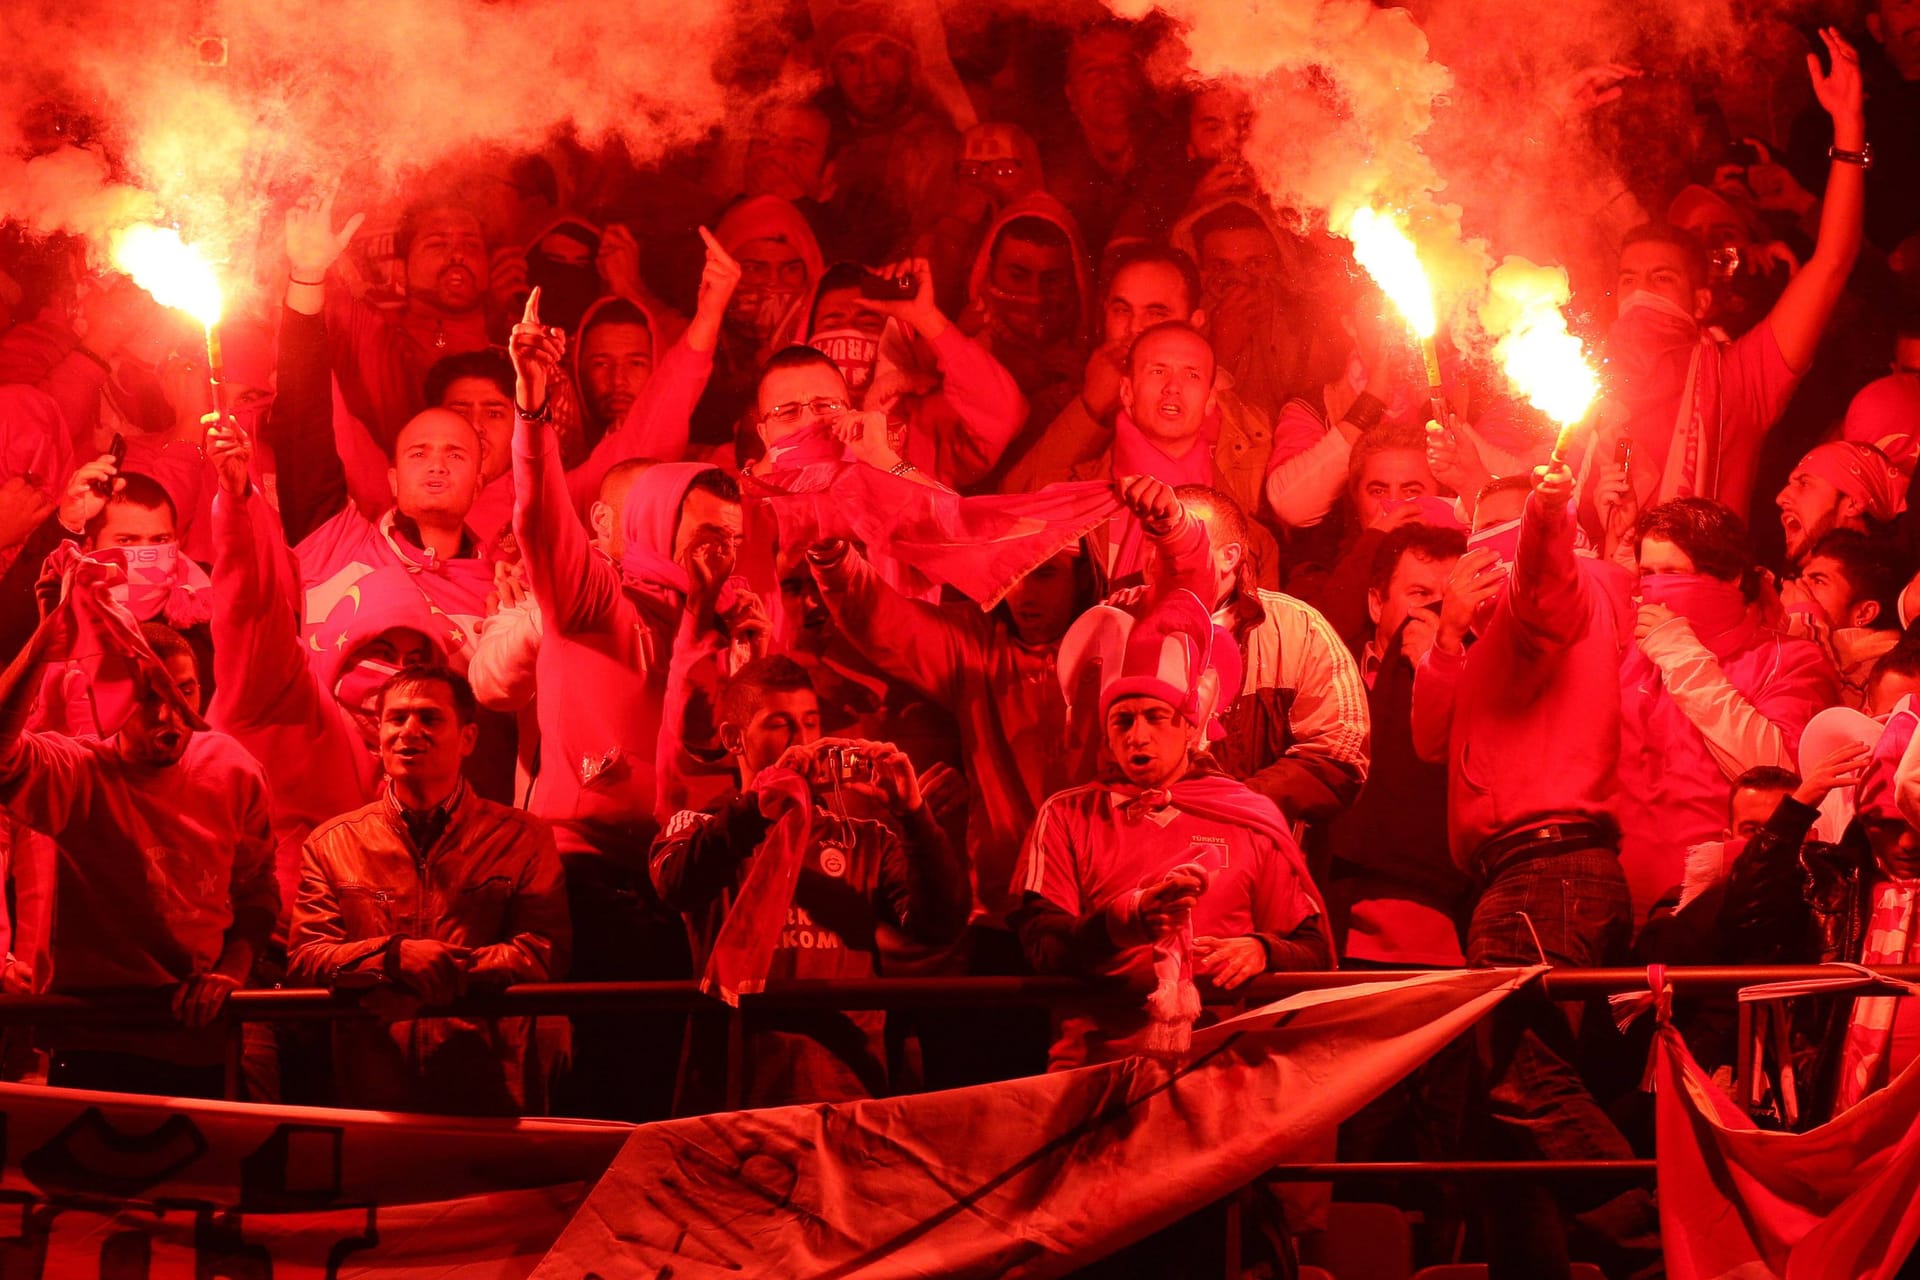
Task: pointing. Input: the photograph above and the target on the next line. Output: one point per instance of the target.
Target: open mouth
(1172, 409)
(456, 278)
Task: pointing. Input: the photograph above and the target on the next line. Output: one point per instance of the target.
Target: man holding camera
(851, 882)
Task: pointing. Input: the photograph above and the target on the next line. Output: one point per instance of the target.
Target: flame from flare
(1388, 255)
(1544, 362)
(174, 272)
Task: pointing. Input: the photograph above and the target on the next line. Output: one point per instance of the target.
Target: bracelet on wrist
(543, 414)
(311, 284)
(1863, 157)
(902, 468)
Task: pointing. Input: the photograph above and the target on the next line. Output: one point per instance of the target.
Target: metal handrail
(316, 1004)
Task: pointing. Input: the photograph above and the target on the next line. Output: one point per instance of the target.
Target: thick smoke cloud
(212, 135)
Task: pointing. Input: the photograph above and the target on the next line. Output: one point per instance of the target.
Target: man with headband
(1838, 485)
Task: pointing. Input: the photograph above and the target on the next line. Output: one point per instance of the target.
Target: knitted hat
(1173, 652)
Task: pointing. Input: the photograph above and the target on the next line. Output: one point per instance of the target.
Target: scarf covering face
(108, 650)
(158, 582)
(1713, 608)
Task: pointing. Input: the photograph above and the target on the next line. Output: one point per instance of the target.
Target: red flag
(743, 950)
(979, 546)
(1024, 1178)
(1840, 1202)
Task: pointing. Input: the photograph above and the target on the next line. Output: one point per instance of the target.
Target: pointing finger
(532, 313)
(714, 247)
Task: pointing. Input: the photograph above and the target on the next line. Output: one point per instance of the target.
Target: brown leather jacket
(491, 882)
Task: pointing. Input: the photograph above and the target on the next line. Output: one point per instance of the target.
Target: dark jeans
(1538, 1106)
(112, 1072)
(624, 1064)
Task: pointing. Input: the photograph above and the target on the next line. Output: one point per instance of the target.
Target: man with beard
(1697, 409)
(382, 362)
(1838, 485)
(779, 265)
(893, 152)
(163, 866)
(1115, 146)
(1257, 287)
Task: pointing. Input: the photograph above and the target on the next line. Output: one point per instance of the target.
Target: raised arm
(1800, 316)
(575, 588)
(1546, 595)
(922, 877)
(258, 659)
(657, 423)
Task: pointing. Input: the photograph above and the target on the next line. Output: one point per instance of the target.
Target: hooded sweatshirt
(955, 428)
(1704, 697)
(609, 635)
(1291, 354)
(276, 692)
(731, 393)
(1047, 376)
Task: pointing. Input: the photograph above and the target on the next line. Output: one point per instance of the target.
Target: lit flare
(174, 272)
(1544, 361)
(1389, 257)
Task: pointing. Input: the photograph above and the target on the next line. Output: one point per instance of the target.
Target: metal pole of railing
(301, 1004)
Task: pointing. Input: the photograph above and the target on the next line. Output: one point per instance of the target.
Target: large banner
(1021, 1178)
(1839, 1202)
(110, 1187)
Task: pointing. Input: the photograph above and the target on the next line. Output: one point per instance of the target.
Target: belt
(1548, 837)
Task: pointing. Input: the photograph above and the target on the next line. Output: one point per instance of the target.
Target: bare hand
(619, 263)
(718, 278)
(230, 450)
(1775, 189)
(509, 587)
(1477, 577)
(943, 789)
(201, 999)
(1590, 89)
(1396, 516)
(865, 436)
(1152, 502)
(82, 502)
(1840, 90)
(1230, 961)
(1840, 767)
(536, 350)
(895, 777)
(709, 563)
(434, 971)
(1100, 390)
(1553, 486)
(747, 620)
(920, 311)
(1453, 459)
(313, 246)
(1650, 618)
(16, 978)
(1619, 506)
(1166, 904)
(23, 508)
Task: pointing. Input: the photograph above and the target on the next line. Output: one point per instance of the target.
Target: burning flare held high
(1390, 258)
(178, 275)
(1544, 362)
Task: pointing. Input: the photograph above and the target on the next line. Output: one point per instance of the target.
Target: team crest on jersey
(1209, 851)
(833, 861)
